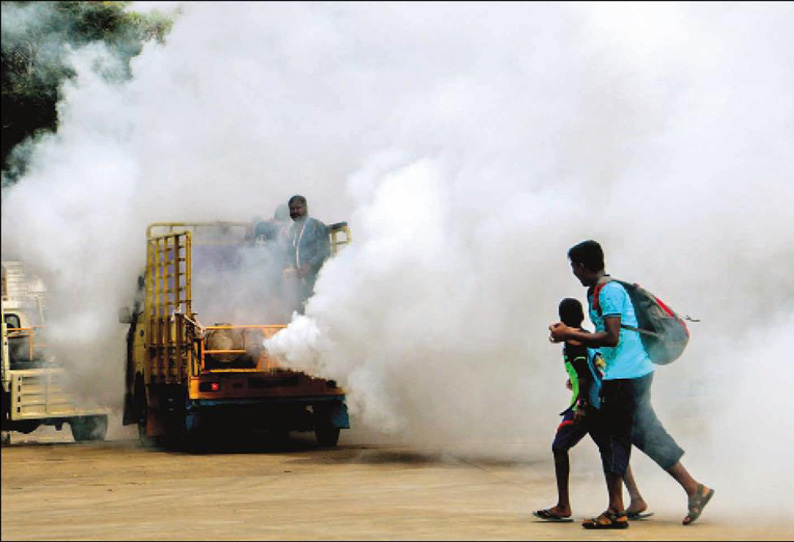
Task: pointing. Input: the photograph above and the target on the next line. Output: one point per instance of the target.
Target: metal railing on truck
(168, 301)
(248, 345)
(337, 241)
(34, 348)
(174, 339)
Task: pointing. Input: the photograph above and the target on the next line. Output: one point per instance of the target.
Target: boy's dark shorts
(569, 433)
(612, 430)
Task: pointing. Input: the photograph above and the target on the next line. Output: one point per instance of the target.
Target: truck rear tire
(86, 428)
(145, 440)
(26, 426)
(140, 408)
(327, 436)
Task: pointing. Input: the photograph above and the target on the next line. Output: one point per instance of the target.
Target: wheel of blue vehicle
(327, 436)
(194, 434)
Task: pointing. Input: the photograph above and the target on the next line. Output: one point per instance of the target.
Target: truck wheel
(26, 426)
(327, 436)
(89, 428)
(189, 433)
(141, 411)
(145, 440)
(279, 436)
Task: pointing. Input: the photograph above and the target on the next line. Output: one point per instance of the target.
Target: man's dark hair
(588, 253)
(297, 198)
(571, 313)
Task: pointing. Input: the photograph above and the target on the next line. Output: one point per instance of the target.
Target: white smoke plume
(468, 146)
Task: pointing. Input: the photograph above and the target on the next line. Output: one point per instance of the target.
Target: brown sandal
(607, 520)
(696, 504)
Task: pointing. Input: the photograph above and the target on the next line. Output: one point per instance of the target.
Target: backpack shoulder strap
(597, 292)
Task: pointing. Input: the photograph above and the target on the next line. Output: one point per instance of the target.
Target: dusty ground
(254, 489)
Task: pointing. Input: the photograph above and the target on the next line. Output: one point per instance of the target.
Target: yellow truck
(188, 379)
(35, 390)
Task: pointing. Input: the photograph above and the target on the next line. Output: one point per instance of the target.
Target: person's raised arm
(559, 332)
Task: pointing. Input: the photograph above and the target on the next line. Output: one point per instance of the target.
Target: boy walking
(583, 366)
(626, 411)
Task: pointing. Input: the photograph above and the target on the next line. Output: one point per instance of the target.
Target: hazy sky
(468, 146)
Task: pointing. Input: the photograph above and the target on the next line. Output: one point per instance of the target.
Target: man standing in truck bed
(310, 246)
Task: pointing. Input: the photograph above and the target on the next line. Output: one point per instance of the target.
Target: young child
(584, 367)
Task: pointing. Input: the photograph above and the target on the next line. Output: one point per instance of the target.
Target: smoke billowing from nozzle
(467, 156)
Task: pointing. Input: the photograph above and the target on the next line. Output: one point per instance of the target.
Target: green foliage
(36, 37)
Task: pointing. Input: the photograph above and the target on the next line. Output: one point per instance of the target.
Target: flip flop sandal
(634, 516)
(607, 520)
(696, 504)
(548, 515)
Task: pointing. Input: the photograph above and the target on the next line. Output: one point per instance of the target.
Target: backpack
(663, 333)
(595, 364)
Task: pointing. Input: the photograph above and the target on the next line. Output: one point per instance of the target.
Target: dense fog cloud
(468, 146)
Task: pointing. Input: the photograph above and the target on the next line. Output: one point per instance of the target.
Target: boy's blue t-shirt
(628, 359)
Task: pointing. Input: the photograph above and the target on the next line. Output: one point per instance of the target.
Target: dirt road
(255, 489)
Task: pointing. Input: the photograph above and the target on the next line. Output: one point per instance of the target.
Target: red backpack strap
(597, 292)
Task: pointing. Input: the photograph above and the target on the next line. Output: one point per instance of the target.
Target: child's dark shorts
(569, 433)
